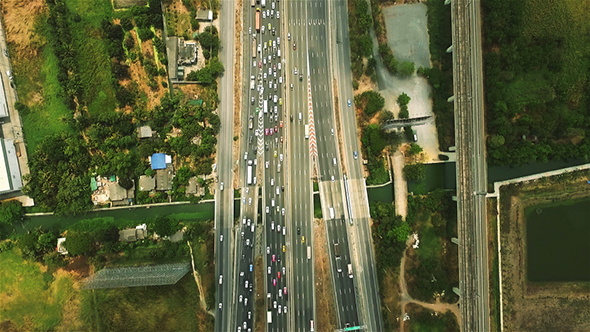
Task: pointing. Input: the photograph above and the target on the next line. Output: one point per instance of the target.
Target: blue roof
(158, 161)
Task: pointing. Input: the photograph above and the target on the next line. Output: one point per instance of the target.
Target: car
(284, 230)
(295, 70)
(250, 201)
(280, 79)
(284, 248)
(246, 284)
(269, 71)
(275, 98)
(221, 238)
(272, 182)
(289, 36)
(254, 63)
(264, 63)
(281, 101)
(244, 221)
(247, 242)
(240, 298)
(249, 314)
(244, 200)
(274, 304)
(275, 153)
(262, 29)
(279, 308)
(279, 66)
(221, 279)
(284, 309)
(294, 45)
(281, 138)
(272, 226)
(266, 163)
(272, 5)
(276, 108)
(273, 31)
(220, 305)
(241, 273)
(301, 78)
(356, 155)
(274, 258)
(272, 131)
(298, 231)
(274, 282)
(269, 26)
(278, 15)
(240, 329)
(276, 129)
(268, 270)
(249, 30)
(281, 157)
(284, 269)
(251, 267)
(303, 239)
(279, 258)
(281, 124)
(269, 58)
(259, 64)
(263, 14)
(278, 228)
(349, 103)
(283, 188)
(278, 40)
(280, 293)
(272, 202)
(267, 209)
(285, 292)
(264, 76)
(278, 189)
(221, 186)
(283, 211)
(291, 114)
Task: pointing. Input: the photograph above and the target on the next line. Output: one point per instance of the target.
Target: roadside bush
(406, 68)
(373, 102)
(78, 243)
(145, 34)
(415, 172)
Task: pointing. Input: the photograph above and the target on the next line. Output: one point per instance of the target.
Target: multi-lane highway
(471, 165)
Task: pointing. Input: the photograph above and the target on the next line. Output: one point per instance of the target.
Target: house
(164, 178)
(145, 132)
(10, 177)
(187, 53)
(60, 248)
(204, 15)
(147, 183)
(133, 234)
(191, 188)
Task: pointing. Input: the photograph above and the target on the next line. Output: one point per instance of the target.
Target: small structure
(145, 132)
(204, 15)
(187, 52)
(60, 248)
(158, 161)
(191, 188)
(147, 183)
(133, 234)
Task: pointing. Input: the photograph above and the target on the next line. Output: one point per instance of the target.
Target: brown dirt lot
(259, 310)
(19, 23)
(556, 306)
(391, 295)
(326, 310)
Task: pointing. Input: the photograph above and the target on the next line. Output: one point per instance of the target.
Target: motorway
(471, 165)
(224, 211)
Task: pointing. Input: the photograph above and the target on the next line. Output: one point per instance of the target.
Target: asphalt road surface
(471, 165)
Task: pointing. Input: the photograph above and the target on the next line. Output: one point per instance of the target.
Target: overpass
(399, 123)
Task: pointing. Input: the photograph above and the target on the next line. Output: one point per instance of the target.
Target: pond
(558, 245)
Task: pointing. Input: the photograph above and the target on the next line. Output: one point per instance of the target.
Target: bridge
(399, 123)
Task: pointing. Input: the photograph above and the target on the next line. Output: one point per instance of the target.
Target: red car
(274, 282)
(271, 131)
(259, 64)
(285, 290)
(266, 131)
(276, 129)
(279, 274)
(273, 258)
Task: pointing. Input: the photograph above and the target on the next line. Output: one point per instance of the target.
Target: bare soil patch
(78, 267)
(119, 4)
(19, 25)
(555, 306)
(391, 296)
(326, 312)
(259, 301)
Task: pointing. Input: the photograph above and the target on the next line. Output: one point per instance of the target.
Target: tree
(415, 172)
(496, 141)
(374, 102)
(164, 226)
(406, 68)
(11, 212)
(403, 99)
(414, 149)
(78, 243)
(401, 232)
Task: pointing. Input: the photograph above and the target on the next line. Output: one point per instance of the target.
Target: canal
(557, 241)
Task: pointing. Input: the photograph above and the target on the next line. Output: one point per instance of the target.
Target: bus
(306, 131)
(249, 174)
(258, 19)
(308, 252)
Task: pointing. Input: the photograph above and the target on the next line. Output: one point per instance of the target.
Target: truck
(331, 211)
(253, 3)
(338, 264)
(257, 19)
(250, 122)
(269, 313)
(263, 2)
(306, 131)
(265, 106)
(350, 271)
(308, 252)
(336, 248)
(249, 174)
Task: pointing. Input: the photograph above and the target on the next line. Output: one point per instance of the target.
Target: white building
(10, 177)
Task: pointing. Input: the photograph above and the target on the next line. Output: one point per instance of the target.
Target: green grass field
(31, 299)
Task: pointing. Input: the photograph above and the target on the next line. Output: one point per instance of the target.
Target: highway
(299, 170)
(224, 208)
(471, 165)
(328, 162)
(359, 232)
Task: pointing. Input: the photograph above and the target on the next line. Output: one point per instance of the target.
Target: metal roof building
(158, 161)
(10, 177)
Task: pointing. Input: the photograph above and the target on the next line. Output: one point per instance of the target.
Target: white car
(250, 314)
(272, 225)
(267, 164)
(245, 304)
(278, 15)
(281, 157)
(272, 182)
(275, 99)
(289, 36)
(268, 270)
(284, 270)
(280, 293)
(267, 209)
(272, 5)
(278, 191)
(221, 238)
(279, 308)
(263, 14)
(240, 298)
(274, 304)
(249, 30)
(285, 309)
(283, 211)
(278, 40)
(280, 79)
(268, 252)
(279, 228)
(250, 201)
(249, 222)
(272, 202)
(279, 66)
(246, 284)
(221, 279)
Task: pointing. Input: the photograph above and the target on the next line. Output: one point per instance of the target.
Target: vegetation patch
(424, 320)
(432, 269)
(537, 68)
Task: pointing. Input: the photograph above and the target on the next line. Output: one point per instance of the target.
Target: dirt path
(405, 297)
(199, 284)
(401, 187)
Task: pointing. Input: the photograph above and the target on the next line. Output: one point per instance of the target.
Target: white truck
(249, 174)
(350, 271)
(269, 313)
(265, 106)
(331, 213)
(306, 131)
(308, 252)
(263, 2)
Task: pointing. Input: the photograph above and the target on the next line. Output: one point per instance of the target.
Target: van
(279, 53)
(334, 161)
(300, 116)
(252, 227)
(331, 213)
